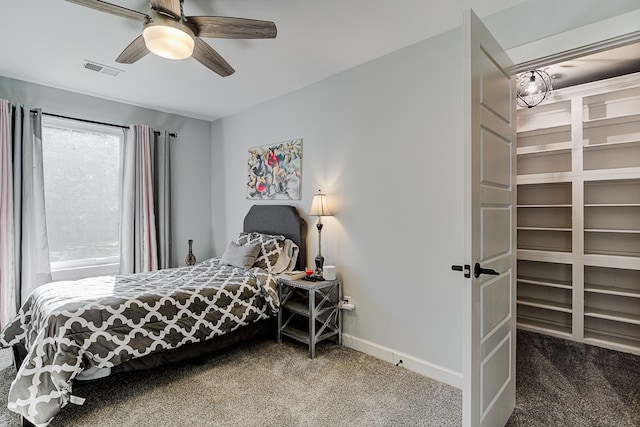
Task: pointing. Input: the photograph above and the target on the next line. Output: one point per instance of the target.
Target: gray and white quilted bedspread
(104, 321)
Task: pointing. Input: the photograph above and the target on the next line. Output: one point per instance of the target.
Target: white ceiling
(46, 41)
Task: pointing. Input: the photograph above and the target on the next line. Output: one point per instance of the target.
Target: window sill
(77, 273)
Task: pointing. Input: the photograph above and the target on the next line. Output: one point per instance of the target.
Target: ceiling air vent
(99, 68)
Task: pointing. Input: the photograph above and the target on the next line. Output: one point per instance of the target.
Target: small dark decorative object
(191, 258)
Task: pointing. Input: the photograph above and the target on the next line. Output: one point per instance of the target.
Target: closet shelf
(546, 154)
(607, 261)
(612, 315)
(611, 145)
(562, 284)
(537, 131)
(605, 339)
(611, 205)
(547, 148)
(594, 175)
(547, 305)
(545, 178)
(596, 123)
(563, 205)
(543, 250)
(612, 253)
(544, 256)
(545, 228)
(611, 290)
(610, 230)
(543, 325)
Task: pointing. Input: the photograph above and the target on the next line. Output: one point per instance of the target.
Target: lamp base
(319, 263)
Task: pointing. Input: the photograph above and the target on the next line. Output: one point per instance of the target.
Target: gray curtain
(24, 244)
(145, 221)
(162, 196)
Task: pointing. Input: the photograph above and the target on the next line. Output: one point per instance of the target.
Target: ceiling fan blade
(113, 9)
(172, 7)
(204, 54)
(136, 50)
(232, 28)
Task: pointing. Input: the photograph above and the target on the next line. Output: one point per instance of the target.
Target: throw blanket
(104, 321)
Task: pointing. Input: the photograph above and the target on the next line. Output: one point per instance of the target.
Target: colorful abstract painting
(275, 171)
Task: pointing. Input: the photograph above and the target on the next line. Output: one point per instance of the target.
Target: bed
(100, 326)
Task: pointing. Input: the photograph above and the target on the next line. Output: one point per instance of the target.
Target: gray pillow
(240, 256)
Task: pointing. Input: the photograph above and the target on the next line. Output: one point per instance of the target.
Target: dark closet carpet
(563, 383)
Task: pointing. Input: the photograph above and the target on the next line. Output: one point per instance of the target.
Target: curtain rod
(171, 134)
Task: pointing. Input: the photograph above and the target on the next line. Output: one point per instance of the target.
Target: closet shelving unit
(578, 230)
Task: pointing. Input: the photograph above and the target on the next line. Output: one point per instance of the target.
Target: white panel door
(489, 360)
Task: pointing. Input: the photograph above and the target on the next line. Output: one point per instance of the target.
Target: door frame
(575, 52)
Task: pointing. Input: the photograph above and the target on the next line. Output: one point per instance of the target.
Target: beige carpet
(260, 385)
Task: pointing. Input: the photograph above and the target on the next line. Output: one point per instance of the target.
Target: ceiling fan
(168, 33)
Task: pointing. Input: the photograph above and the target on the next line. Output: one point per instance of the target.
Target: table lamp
(319, 208)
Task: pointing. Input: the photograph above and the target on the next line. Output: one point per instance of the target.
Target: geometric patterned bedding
(104, 321)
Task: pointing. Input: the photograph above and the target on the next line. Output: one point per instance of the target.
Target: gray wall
(384, 141)
(190, 154)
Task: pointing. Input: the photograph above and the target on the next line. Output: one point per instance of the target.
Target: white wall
(384, 142)
(190, 154)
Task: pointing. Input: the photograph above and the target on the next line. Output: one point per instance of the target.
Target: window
(81, 183)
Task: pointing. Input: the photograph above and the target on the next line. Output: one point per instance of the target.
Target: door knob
(477, 271)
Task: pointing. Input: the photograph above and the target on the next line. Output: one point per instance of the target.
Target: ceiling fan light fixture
(169, 39)
(168, 33)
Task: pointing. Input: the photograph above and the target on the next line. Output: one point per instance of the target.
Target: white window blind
(81, 174)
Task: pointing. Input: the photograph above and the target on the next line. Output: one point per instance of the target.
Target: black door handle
(466, 269)
(477, 271)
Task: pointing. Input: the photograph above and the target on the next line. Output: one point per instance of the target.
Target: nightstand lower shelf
(303, 336)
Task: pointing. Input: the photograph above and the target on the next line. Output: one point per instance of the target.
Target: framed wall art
(275, 171)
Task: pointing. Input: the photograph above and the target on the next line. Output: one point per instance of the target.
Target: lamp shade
(320, 206)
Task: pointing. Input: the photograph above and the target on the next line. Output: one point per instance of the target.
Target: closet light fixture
(532, 87)
(168, 38)
(319, 208)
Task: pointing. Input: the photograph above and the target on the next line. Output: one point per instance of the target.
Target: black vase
(191, 258)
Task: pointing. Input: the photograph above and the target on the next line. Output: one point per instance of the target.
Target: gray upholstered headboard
(279, 219)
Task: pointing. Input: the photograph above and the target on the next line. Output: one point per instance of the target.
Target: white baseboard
(428, 369)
